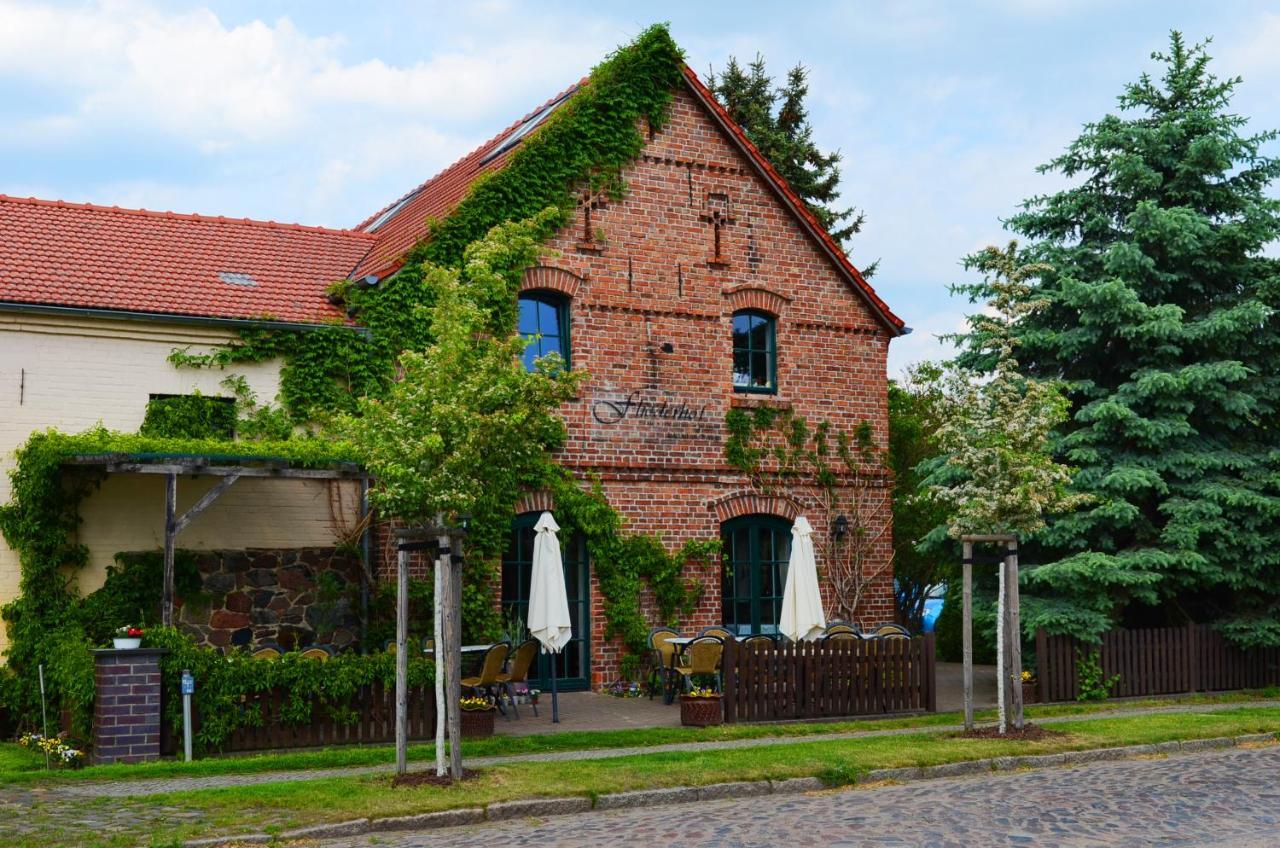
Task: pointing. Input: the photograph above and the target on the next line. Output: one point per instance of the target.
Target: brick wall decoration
(295, 598)
(126, 706)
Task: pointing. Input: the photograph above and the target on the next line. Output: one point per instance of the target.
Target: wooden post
(1013, 627)
(966, 631)
(437, 632)
(402, 661)
(454, 614)
(1002, 646)
(170, 531)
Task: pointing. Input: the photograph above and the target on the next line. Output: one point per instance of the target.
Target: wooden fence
(1159, 661)
(372, 708)
(824, 679)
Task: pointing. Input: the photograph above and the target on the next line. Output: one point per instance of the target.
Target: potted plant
(1030, 688)
(701, 707)
(477, 717)
(533, 696)
(127, 638)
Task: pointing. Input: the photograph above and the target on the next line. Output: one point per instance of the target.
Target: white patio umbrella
(548, 601)
(802, 616)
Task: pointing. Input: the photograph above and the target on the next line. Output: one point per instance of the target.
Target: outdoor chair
(495, 659)
(721, 633)
(521, 662)
(318, 652)
(700, 658)
(664, 655)
(841, 636)
(267, 651)
(390, 645)
(841, 627)
(752, 642)
(891, 631)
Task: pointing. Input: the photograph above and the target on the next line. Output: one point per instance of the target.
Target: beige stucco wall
(72, 373)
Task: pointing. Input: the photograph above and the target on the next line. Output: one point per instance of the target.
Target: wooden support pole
(170, 531)
(437, 633)
(966, 630)
(402, 661)
(206, 501)
(1014, 628)
(454, 612)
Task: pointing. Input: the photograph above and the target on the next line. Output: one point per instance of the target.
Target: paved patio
(593, 711)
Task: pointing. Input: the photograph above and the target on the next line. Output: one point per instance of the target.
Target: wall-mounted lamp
(840, 528)
(668, 347)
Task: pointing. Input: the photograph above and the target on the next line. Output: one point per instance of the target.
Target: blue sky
(323, 112)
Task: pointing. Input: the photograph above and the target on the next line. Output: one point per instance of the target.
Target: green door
(757, 549)
(573, 664)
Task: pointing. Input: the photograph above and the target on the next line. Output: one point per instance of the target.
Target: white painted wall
(74, 373)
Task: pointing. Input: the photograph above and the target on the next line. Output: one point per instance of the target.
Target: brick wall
(126, 706)
(651, 310)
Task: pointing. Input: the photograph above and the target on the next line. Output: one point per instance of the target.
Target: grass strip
(20, 767)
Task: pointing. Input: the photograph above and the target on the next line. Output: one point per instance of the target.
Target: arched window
(757, 549)
(755, 352)
(544, 322)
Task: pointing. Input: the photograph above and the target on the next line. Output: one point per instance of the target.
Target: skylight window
(530, 124)
(391, 211)
(236, 279)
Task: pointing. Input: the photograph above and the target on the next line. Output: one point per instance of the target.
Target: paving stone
(647, 798)
(738, 789)
(536, 808)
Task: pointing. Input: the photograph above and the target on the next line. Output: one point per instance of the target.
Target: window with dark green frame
(544, 323)
(756, 552)
(755, 352)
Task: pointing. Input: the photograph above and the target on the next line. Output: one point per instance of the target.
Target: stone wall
(295, 598)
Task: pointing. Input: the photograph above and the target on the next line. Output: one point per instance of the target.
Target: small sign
(188, 683)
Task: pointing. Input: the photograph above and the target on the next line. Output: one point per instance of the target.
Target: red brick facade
(651, 304)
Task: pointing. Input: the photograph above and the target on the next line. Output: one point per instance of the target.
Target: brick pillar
(126, 706)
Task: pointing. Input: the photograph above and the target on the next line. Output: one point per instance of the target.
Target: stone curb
(542, 807)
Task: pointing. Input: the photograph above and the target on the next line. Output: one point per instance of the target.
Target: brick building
(708, 286)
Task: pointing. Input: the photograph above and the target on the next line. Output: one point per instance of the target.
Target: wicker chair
(721, 633)
(663, 663)
(891, 631)
(318, 652)
(412, 642)
(759, 639)
(841, 627)
(495, 659)
(841, 636)
(700, 658)
(267, 651)
(521, 662)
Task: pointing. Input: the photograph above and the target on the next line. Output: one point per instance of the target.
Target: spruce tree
(777, 121)
(1160, 315)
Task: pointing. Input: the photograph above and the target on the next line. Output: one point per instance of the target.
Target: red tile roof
(435, 198)
(62, 254)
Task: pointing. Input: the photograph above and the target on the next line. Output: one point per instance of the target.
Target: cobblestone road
(1229, 798)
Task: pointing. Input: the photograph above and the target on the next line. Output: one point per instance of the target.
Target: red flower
(135, 632)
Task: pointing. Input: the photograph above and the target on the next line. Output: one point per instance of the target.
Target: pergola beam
(195, 467)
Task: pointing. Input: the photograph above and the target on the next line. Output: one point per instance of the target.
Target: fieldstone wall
(296, 598)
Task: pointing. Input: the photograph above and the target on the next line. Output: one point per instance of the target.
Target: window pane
(741, 368)
(528, 316)
(741, 326)
(760, 335)
(759, 369)
(547, 319)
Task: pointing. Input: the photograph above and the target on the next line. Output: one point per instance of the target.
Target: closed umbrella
(802, 616)
(548, 601)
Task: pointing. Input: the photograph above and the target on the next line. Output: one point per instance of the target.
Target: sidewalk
(121, 788)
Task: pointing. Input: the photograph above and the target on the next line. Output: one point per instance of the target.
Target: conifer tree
(777, 121)
(1160, 317)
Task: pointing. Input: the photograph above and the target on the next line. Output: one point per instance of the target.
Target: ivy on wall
(193, 416)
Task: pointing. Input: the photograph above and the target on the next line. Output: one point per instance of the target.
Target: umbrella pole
(555, 703)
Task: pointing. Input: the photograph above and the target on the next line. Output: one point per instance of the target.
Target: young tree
(1160, 316)
(915, 405)
(777, 121)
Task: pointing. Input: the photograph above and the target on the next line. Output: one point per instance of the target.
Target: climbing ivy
(193, 416)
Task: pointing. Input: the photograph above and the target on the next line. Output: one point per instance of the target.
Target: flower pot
(1030, 692)
(477, 724)
(700, 712)
(126, 643)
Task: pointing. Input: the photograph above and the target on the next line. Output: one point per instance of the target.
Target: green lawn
(18, 767)
(276, 806)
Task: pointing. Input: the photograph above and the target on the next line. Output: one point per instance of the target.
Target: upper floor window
(755, 352)
(544, 323)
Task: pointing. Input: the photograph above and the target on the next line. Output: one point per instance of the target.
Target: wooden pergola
(228, 468)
